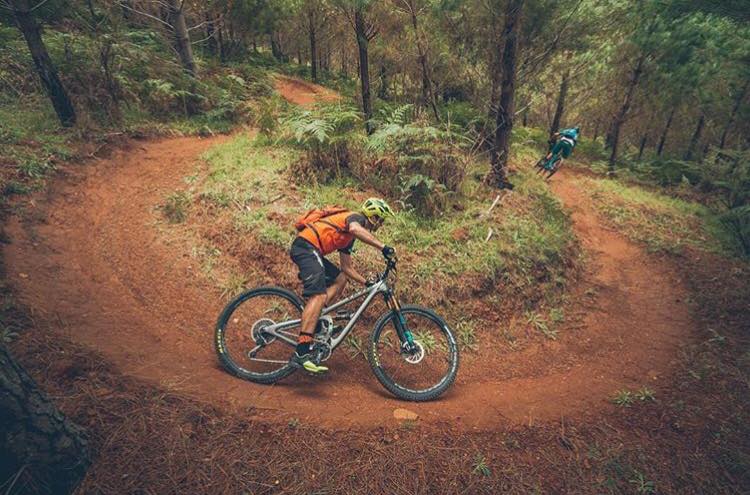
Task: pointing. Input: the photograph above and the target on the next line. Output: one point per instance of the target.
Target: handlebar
(390, 265)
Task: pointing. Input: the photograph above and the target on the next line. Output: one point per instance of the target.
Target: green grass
(662, 222)
(31, 142)
(526, 256)
(176, 206)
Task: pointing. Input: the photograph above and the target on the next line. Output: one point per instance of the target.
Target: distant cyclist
(321, 232)
(562, 144)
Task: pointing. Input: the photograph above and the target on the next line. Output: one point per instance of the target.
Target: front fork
(404, 334)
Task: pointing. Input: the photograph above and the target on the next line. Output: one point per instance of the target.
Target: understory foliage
(405, 158)
(130, 75)
(727, 175)
(330, 138)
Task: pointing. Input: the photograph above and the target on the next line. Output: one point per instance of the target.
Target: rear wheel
(244, 348)
(423, 374)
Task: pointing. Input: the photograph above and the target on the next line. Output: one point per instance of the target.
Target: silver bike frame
(379, 287)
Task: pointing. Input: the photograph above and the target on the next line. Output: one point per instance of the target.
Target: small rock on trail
(405, 415)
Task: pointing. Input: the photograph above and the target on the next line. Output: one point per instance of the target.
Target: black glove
(388, 252)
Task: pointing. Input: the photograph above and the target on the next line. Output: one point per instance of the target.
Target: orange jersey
(329, 234)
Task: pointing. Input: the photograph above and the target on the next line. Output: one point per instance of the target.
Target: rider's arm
(364, 235)
(348, 268)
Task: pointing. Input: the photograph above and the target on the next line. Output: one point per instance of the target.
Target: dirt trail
(303, 93)
(94, 264)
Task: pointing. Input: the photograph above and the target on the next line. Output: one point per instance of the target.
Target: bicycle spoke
(247, 346)
(432, 364)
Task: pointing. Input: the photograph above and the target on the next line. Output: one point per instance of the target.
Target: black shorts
(315, 271)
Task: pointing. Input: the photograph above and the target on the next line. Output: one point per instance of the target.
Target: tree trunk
(428, 97)
(36, 438)
(644, 139)
(211, 44)
(383, 89)
(696, 138)
(560, 103)
(222, 45)
(181, 36)
(360, 29)
(663, 137)
(495, 68)
(44, 67)
(501, 144)
(344, 62)
(609, 137)
(736, 107)
(313, 45)
(275, 48)
(596, 129)
(622, 114)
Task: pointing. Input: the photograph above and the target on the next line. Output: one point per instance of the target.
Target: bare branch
(212, 35)
(40, 4)
(145, 14)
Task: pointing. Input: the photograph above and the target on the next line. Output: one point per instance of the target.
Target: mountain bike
(411, 350)
(549, 166)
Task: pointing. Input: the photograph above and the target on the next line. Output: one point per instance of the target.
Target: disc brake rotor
(257, 333)
(417, 356)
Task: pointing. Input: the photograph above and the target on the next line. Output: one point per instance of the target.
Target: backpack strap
(311, 226)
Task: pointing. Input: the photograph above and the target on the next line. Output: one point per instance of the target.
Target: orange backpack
(327, 236)
(315, 215)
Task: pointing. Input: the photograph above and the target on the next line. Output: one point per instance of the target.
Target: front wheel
(423, 374)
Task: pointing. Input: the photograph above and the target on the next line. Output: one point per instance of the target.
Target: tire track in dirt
(97, 269)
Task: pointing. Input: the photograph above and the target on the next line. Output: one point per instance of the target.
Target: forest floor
(92, 261)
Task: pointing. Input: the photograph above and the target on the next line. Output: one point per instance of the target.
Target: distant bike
(549, 166)
(411, 350)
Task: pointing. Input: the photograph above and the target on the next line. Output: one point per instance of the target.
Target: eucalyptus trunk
(663, 137)
(36, 440)
(696, 138)
(43, 63)
(360, 28)
(428, 97)
(504, 120)
(313, 44)
(182, 36)
(644, 139)
(560, 103)
(622, 114)
(735, 108)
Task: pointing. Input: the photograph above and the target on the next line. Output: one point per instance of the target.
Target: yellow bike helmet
(376, 207)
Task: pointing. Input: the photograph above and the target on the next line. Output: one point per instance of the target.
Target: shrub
(330, 137)
(425, 163)
(669, 172)
(737, 222)
(728, 173)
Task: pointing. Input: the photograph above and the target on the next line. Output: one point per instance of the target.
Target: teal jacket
(571, 134)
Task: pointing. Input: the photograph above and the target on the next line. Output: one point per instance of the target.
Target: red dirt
(93, 262)
(303, 93)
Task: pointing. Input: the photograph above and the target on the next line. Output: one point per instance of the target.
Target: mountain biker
(564, 142)
(322, 281)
